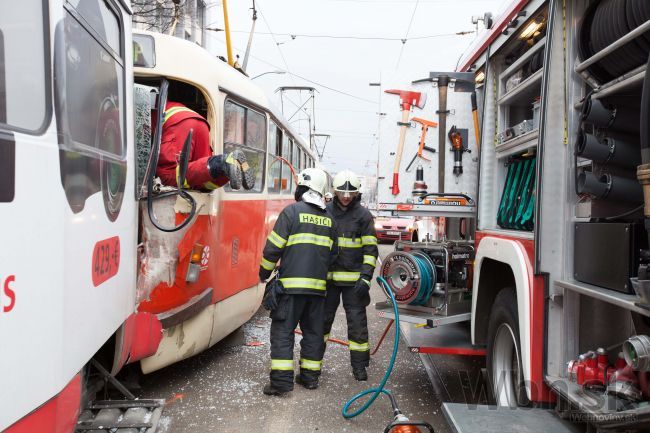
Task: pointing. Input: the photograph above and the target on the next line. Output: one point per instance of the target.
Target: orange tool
(426, 124)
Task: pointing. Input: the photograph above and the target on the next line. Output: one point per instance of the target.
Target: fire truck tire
(504, 369)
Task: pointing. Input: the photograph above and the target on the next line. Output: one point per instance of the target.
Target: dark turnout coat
(304, 238)
(357, 244)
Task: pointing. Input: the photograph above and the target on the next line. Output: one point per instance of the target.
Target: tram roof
(179, 60)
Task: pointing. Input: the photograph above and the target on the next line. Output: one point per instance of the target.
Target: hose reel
(411, 276)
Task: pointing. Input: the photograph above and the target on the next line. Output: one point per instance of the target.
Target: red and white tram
(208, 286)
(84, 275)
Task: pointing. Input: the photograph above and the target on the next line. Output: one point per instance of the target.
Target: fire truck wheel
(505, 374)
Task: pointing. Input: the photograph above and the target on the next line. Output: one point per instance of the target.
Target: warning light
(197, 253)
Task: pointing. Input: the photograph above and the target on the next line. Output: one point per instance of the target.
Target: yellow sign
(315, 219)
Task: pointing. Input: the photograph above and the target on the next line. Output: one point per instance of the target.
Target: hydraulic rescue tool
(426, 124)
(458, 147)
(419, 186)
(407, 100)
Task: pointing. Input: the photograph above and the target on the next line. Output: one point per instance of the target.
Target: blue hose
(380, 389)
(427, 274)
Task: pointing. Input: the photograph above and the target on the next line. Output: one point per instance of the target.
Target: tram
(208, 286)
(88, 283)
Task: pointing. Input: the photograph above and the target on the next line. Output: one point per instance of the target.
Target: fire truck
(531, 161)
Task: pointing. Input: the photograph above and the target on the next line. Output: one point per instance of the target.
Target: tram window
(295, 155)
(24, 66)
(287, 178)
(245, 129)
(255, 130)
(233, 128)
(275, 165)
(89, 75)
(102, 20)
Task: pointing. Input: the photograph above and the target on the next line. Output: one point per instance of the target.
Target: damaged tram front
(200, 250)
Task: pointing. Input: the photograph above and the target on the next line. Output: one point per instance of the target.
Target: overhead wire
(306, 79)
(401, 51)
(361, 38)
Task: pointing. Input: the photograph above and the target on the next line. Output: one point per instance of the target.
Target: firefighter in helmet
(350, 276)
(304, 240)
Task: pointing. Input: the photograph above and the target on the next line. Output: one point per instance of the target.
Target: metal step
(121, 416)
(464, 418)
(419, 316)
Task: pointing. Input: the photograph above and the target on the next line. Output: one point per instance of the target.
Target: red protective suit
(178, 121)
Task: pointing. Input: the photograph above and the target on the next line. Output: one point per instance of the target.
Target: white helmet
(346, 181)
(313, 178)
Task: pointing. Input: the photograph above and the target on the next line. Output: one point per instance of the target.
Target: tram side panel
(68, 272)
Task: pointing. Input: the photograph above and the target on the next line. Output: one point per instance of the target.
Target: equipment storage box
(605, 255)
(459, 197)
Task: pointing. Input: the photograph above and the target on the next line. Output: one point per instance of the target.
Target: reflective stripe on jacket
(357, 241)
(304, 241)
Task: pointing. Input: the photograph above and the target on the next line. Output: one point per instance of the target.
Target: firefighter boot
(360, 373)
(271, 390)
(247, 176)
(308, 384)
(237, 162)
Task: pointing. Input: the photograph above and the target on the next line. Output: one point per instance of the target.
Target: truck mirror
(184, 159)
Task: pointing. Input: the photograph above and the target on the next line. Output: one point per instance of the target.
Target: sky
(339, 47)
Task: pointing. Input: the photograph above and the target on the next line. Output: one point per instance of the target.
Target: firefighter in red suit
(205, 171)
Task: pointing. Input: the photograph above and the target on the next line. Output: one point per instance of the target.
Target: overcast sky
(349, 112)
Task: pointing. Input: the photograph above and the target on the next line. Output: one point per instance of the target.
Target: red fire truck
(536, 183)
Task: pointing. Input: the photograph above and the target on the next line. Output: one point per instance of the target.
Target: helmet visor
(346, 187)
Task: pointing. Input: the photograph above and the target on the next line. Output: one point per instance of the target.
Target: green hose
(380, 389)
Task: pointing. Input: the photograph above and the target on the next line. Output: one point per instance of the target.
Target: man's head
(346, 187)
(311, 178)
(328, 197)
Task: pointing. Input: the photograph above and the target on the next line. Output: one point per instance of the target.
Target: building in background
(182, 18)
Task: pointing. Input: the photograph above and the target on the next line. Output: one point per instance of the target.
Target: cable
(399, 59)
(284, 60)
(360, 38)
(381, 339)
(379, 389)
(623, 215)
(308, 80)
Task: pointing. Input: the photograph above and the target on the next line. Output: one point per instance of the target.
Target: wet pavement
(220, 390)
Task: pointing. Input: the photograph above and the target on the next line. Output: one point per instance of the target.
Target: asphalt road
(220, 390)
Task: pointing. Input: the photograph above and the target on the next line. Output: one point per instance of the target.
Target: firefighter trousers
(355, 313)
(307, 311)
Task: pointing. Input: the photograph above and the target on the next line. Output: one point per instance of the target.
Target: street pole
(227, 29)
(250, 38)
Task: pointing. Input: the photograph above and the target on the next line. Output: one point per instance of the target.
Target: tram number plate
(106, 260)
(393, 233)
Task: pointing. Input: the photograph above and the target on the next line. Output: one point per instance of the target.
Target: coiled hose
(379, 389)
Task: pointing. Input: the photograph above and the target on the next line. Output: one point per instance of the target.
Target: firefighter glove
(272, 293)
(362, 287)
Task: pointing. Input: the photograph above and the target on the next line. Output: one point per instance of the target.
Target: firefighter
(205, 171)
(350, 276)
(304, 240)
